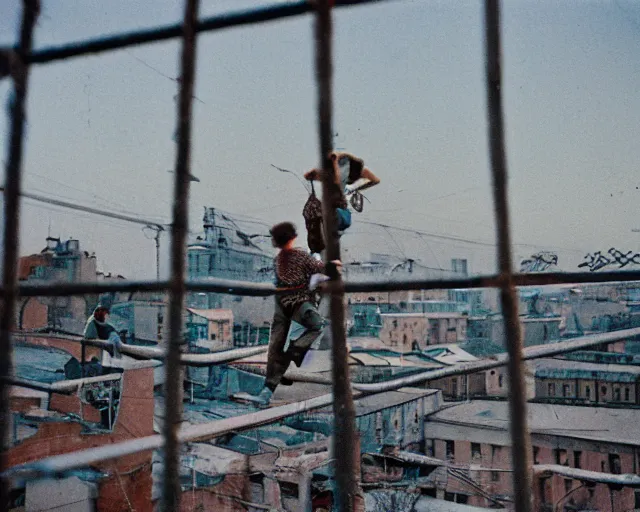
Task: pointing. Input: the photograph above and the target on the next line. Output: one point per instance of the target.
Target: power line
(88, 209)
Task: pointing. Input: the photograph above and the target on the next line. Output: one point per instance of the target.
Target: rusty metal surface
(344, 436)
(508, 295)
(179, 229)
(11, 242)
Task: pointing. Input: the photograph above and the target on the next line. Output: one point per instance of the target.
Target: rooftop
(590, 423)
(563, 368)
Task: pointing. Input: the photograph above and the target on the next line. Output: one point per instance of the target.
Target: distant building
(210, 328)
(224, 251)
(474, 439)
(406, 332)
(61, 261)
(536, 330)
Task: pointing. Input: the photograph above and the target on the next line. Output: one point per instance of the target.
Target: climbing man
(294, 269)
(97, 327)
(351, 176)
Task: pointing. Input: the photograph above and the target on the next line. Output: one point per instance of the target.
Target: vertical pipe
(508, 296)
(343, 409)
(171, 483)
(11, 242)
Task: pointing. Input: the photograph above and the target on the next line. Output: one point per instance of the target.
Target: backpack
(312, 213)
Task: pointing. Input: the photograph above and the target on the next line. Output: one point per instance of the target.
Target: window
(561, 456)
(449, 496)
(576, 459)
(565, 390)
(536, 454)
(636, 498)
(495, 476)
(462, 498)
(494, 450)
(614, 464)
(627, 394)
(289, 490)
(213, 336)
(500, 380)
(616, 394)
(454, 386)
(551, 389)
(450, 449)
(587, 392)
(476, 451)
(603, 390)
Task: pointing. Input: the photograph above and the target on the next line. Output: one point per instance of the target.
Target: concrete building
(536, 330)
(474, 438)
(211, 328)
(414, 331)
(60, 261)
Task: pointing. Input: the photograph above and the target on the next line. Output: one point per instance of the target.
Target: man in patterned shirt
(293, 269)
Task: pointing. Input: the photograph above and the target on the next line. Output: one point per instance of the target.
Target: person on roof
(294, 269)
(97, 327)
(351, 176)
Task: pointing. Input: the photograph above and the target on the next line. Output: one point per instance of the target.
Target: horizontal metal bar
(141, 352)
(251, 289)
(535, 352)
(64, 387)
(547, 470)
(88, 209)
(62, 463)
(154, 35)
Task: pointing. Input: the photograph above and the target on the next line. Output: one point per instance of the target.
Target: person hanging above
(97, 327)
(351, 176)
(294, 269)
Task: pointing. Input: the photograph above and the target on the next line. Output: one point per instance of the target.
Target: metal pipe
(11, 243)
(159, 354)
(173, 385)
(246, 288)
(212, 23)
(547, 470)
(508, 295)
(63, 387)
(344, 431)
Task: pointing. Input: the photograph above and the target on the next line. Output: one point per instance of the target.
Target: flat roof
(590, 423)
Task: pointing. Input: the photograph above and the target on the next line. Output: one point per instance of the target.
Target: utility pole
(157, 229)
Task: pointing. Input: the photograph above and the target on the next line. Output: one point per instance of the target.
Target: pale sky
(409, 99)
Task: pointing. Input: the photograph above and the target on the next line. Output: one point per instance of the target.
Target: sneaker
(263, 399)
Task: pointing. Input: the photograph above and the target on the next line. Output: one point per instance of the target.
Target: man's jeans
(278, 359)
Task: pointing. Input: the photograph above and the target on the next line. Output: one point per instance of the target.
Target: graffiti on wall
(539, 262)
(613, 258)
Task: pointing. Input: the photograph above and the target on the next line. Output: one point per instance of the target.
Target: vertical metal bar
(508, 296)
(344, 445)
(11, 242)
(173, 396)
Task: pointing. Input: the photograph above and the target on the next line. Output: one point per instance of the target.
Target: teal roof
(571, 373)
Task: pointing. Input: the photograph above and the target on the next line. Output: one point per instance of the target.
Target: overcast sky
(409, 98)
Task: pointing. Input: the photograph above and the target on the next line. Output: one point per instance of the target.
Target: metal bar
(251, 289)
(520, 453)
(212, 23)
(344, 435)
(88, 209)
(140, 352)
(63, 387)
(179, 228)
(546, 470)
(60, 463)
(535, 352)
(11, 242)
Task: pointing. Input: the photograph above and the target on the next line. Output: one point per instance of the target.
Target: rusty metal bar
(251, 289)
(344, 432)
(11, 242)
(179, 229)
(522, 478)
(212, 23)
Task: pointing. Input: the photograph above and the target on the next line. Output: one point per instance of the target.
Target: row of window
(566, 392)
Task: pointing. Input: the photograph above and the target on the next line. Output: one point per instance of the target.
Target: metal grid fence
(22, 58)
